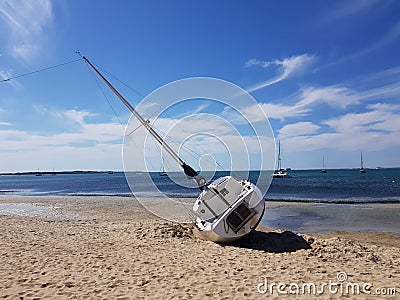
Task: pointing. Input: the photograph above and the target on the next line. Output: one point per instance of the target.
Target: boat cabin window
(239, 217)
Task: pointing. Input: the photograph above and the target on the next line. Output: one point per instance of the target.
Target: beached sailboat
(362, 170)
(226, 208)
(323, 165)
(280, 172)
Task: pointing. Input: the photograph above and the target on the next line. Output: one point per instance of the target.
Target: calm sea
(336, 186)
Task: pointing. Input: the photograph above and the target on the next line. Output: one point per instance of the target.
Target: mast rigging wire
(105, 96)
(98, 84)
(40, 70)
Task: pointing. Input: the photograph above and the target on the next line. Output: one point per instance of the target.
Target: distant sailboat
(280, 172)
(362, 170)
(162, 171)
(323, 165)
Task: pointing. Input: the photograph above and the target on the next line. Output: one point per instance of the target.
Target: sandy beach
(112, 248)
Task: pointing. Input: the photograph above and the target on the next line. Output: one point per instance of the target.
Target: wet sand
(112, 248)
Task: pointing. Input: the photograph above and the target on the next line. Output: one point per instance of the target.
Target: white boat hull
(281, 174)
(228, 209)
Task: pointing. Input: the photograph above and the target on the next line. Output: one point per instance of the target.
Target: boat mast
(362, 164)
(188, 170)
(279, 156)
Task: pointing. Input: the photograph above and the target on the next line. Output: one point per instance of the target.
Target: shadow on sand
(274, 242)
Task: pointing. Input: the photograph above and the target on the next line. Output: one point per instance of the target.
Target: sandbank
(112, 248)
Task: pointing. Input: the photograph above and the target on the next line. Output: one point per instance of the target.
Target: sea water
(335, 186)
(339, 199)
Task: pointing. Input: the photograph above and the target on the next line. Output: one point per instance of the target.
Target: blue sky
(327, 74)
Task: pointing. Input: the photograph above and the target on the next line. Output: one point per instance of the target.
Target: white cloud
(384, 107)
(26, 22)
(297, 129)
(384, 91)
(334, 96)
(287, 67)
(26, 52)
(197, 135)
(376, 129)
(381, 117)
(274, 111)
(89, 146)
(182, 128)
(200, 108)
(77, 116)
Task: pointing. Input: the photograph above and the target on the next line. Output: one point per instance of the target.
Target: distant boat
(110, 172)
(280, 172)
(162, 171)
(362, 170)
(38, 173)
(323, 165)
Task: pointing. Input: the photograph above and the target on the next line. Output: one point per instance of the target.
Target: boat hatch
(239, 217)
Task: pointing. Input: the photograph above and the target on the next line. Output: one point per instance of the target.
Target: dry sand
(111, 248)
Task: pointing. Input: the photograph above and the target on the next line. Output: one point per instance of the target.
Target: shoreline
(300, 217)
(102, 248)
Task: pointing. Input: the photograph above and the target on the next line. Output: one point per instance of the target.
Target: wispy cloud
(286, 67)
(78, 116)
(346, 9)
(334, 96)
(26, 22)
(4, 75)
(388, 37)
(274, 111)
(378, 87)
(308, 97)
